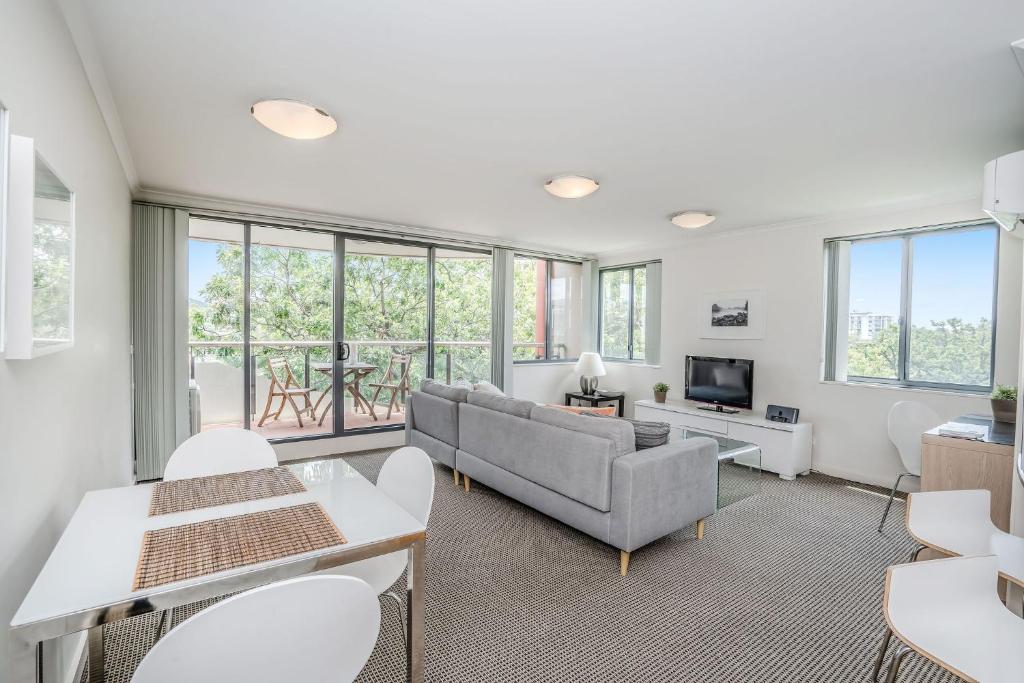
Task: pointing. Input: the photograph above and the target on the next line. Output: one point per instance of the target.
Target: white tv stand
(785, 448)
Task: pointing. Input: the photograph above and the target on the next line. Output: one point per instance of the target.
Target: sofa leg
(455, 472)
(623, 562)
(465, 482)
(700, 529)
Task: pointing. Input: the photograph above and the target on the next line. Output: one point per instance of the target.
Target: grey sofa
(582, 471)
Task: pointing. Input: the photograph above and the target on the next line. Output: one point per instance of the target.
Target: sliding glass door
(304, 333)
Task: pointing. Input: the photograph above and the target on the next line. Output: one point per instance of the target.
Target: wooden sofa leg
(623, 562)
(456, 474)
(465, 482)
(700, 529)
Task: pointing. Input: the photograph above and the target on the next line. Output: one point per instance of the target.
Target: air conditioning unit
(1003, 195)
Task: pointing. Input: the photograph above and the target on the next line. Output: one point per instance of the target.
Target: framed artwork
(738, 314)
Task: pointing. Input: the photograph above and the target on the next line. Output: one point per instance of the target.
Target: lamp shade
(590, 365)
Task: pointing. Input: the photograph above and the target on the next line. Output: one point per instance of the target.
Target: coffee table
(739, 466)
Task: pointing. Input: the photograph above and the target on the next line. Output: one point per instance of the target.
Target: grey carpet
(785, 586)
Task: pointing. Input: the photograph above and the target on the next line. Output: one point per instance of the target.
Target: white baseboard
(908, 484)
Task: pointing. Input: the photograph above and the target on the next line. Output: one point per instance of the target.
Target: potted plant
(1004, 403)
(660, 391)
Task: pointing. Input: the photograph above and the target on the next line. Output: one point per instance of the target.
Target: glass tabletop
(739, 466)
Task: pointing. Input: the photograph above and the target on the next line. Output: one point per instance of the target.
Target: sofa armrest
(409, 421)
(660, 490)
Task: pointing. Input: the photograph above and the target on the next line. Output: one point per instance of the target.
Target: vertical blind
(159, 335)
(501, 319)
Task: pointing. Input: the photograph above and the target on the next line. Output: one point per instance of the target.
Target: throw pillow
(488, 387)
(648, 434)
(608, 411)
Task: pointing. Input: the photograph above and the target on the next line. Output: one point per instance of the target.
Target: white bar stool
(948, 611)
(960, 523)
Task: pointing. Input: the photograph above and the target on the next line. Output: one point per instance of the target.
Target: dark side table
(595, 400)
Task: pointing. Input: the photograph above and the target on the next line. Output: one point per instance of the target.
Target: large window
(914, 308)
(548, 314)
(623, 313)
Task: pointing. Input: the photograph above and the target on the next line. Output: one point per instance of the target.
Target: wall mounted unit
(40, 256)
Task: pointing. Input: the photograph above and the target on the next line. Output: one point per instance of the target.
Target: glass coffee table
(739, 466)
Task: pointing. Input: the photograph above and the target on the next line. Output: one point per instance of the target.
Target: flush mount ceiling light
(294, 119)
(571, 186)
(692, 219)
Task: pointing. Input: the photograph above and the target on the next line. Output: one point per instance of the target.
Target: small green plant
(1005, 393)
(661, 387)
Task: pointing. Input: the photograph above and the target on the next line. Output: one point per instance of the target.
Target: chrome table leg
(96, 654)
(897, 659)
(415, 639)
(881, 654)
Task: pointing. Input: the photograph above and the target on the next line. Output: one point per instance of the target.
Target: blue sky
(952, 276)
(202, 265)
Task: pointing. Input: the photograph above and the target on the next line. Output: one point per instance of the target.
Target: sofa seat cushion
(619, 432)
(647, 434)
(442, 390)
(502, 404)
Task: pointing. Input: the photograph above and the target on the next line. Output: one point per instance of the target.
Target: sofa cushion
(488, 388)
(619, 432)
(435, 388)
(435, 416)
(647, 434)
(502, 404)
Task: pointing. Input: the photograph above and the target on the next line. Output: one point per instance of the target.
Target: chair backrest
(220, 451)
(407, 478)
(398, 369)
(319, 628)
(907, 421)
(274, 365)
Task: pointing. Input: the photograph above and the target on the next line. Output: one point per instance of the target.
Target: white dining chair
(312, 629)
(219, 451)
(908, 420)
(960, 523)
(407, 478)
(948, 610)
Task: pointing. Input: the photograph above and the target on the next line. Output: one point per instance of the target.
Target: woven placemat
(182, 495)
(184, 552)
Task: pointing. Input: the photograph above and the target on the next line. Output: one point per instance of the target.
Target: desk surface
(996, 433)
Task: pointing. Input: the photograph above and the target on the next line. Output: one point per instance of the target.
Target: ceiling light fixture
(692, 219)
(571, 186)
(294, 119)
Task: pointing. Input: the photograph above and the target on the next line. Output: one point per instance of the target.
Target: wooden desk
(949, 464)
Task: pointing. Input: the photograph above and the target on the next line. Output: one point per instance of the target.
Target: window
(915, 308)
(622, 319)
(548, 310)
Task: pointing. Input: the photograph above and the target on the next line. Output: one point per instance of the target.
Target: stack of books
(962, 430)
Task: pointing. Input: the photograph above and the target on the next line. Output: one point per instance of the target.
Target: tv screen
(720, 381)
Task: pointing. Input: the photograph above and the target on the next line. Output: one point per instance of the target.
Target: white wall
(849, 421)
(65, 422)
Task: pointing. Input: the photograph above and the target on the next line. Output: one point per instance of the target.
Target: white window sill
(630, 363)
(900, 387)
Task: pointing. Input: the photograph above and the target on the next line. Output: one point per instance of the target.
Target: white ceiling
(453, 113)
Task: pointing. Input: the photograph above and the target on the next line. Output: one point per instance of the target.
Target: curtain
(501, 319)
(652, 314)
(831, 309)
(159, 335)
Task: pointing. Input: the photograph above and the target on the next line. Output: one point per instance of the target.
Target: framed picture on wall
(738, 314)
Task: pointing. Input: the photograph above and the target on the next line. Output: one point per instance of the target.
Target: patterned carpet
(785, 586)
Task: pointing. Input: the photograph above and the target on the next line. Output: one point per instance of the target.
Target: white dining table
(87, 580)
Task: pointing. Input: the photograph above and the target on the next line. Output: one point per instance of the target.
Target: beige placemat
(184, 552)
(182, 495)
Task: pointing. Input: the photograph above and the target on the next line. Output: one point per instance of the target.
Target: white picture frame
(733, 314)
(40, 246)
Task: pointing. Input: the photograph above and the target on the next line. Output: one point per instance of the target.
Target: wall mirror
(41, 256)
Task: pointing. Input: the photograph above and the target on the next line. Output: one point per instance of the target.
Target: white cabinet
(785, 448)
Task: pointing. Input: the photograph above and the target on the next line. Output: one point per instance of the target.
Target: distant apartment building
(865, 326)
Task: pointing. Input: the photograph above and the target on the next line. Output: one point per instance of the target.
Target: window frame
(905, 322)
(548, 269)
(630, 351)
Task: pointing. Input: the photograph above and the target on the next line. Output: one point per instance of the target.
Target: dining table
(352, 374)
(87, 582)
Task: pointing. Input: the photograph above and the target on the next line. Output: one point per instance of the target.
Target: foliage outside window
(548, 309)
(914, 308)
(623, 312)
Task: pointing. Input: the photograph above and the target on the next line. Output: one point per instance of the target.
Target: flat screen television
(720, 381)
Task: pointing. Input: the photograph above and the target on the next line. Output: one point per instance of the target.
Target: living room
(439, 342)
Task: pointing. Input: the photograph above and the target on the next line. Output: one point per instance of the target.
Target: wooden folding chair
(286, 390)
(396, 378)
